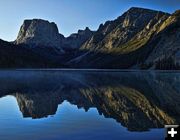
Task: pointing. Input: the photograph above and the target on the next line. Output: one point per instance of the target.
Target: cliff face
(166, 42)
(42, 33)
(39, 32)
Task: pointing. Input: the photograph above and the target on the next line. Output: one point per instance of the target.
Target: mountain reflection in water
(137, 100)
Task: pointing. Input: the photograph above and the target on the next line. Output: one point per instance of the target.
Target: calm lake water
(87, 105)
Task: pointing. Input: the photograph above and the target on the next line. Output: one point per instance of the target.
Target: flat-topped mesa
(38, 32)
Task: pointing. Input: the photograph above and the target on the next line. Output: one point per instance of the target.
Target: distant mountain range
(138, 39)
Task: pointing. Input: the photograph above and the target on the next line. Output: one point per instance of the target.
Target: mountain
(138, 39)
(43, 36)
(166, 43)
(76, 40)
(130, 39)
(40, 45)
(38, 32)
(114, 34)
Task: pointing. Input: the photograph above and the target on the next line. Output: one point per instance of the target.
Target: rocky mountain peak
(176, 13)
(137, 17)
(138, 9)
(87, 28)
(85, 31)
(38, 32)
(75, 40)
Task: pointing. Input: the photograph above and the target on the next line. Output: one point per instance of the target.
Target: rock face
(39, 32)
(77, 39)
(114, 34)
(166, 42)
(139, 38)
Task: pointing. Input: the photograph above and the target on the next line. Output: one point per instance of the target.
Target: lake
(87, 104)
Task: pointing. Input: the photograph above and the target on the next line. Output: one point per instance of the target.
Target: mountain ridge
(121, 43)
(140, 38)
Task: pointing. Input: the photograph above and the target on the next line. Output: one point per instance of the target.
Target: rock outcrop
(38, 32)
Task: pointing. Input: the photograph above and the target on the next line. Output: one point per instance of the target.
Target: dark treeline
(169, 63)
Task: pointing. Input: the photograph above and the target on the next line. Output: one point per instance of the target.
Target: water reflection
(139, 101)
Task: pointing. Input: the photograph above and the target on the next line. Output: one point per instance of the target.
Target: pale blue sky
(70, 15)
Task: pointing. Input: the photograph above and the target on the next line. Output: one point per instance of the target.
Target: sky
(70, 15)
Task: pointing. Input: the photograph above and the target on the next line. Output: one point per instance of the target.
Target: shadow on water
(137, 100)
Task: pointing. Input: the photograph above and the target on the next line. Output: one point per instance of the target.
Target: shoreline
(92, 70)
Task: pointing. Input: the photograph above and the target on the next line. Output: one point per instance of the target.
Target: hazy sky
(70, 15)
